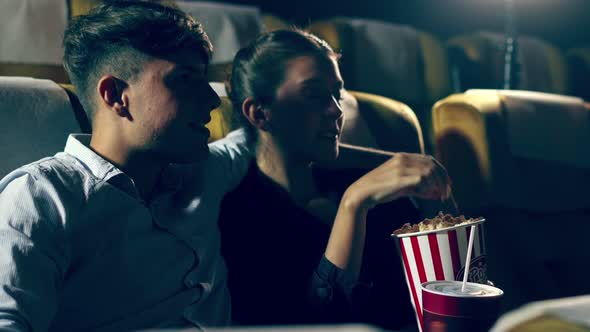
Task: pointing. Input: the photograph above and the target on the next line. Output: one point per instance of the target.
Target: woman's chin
(327, 154)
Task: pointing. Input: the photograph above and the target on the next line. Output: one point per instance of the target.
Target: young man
(119, 232)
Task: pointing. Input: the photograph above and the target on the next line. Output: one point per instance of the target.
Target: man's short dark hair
(118, 37)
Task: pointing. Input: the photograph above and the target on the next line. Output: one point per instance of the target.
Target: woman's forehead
(309, 69)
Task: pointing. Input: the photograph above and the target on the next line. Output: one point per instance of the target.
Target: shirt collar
(78, 145)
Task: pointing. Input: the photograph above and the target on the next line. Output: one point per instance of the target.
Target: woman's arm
(400, 176)
(335, 284)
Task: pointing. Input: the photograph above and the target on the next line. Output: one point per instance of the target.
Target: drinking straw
(469, 247)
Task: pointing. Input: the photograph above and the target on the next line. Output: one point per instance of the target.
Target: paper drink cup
(447, 307)
(440, 255)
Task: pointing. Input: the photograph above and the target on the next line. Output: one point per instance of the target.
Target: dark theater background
(498, 91)
(562, 22)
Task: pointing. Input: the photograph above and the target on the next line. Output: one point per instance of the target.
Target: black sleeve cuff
(335, 290)
(335, 276)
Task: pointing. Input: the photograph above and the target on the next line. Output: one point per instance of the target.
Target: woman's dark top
(277, 272)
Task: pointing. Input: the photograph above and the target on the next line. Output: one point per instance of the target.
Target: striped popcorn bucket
(440, 255)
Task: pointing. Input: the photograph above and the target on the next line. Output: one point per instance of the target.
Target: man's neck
(143, 168)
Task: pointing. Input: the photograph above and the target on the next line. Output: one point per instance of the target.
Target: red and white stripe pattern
(437, 256)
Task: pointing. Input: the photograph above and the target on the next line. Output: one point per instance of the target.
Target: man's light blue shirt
(79, 249)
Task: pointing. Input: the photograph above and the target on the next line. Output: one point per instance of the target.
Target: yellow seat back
(518, 158)
(273, 22)
(479, 61)
(578, 60)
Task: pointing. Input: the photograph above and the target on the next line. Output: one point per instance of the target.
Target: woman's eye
(320, 97)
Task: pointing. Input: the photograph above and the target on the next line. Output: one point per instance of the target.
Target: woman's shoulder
(256, 199)
(255, 186)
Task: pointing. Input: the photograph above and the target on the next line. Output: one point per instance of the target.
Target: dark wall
(565, 23)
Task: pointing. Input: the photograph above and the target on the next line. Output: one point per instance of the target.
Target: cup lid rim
(499, 291)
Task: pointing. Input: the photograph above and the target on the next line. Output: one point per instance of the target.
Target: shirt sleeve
(231, 157)
(335, 292)
(33, 253)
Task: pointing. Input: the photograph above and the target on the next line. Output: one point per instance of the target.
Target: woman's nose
(335, 107)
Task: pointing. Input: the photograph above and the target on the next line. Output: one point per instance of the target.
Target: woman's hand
(405, 174)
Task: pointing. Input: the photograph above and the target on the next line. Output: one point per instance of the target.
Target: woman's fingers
(405, 175)
(434, 181)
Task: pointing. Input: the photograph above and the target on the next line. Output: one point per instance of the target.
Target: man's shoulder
(234, 145)
(61, 170)
(59, 163)
(44, 192)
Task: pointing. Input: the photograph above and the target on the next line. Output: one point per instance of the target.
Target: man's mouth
(199, 127)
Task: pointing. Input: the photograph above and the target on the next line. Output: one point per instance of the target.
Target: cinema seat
(36, 117)
(52, 72)
(272, 22)
(478, 60)
(390, 60)
(81, 7)
(519, 159)
(578, 60)
(31, 36)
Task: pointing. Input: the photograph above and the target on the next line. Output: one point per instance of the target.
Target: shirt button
(189, 282)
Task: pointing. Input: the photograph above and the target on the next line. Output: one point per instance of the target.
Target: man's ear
(256, 114)
(113, 95)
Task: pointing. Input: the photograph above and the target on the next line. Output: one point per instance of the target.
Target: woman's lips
(330, 134)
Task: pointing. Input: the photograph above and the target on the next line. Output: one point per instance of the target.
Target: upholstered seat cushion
(516, 149)
(229, 26)
(479, 59)
(35, 119)
(520, 160)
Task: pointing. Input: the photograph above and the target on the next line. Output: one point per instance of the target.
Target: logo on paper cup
(477, 271)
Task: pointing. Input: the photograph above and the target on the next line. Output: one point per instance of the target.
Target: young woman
(304, 245)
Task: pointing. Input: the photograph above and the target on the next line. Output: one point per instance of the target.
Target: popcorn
(440, 221)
